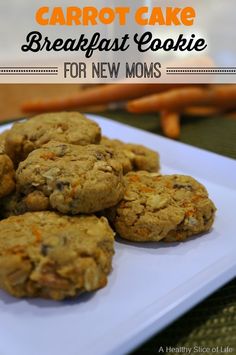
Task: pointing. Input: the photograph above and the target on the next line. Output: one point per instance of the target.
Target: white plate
(150, 286)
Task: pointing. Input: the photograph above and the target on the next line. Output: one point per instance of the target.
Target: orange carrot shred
(36, 232)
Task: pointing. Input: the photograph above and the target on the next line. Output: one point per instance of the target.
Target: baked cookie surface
(16, 204)
(133, 157)
(3, 136)
(7, 174)
(65, 127)
(168, 208)
(75, 179)
(45, 254)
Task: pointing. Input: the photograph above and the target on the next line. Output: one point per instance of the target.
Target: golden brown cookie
(3, 136)
(65, 127)
(168, 208)
(45, 254)
(74, 179)
(7, 174)
(133, 157)
(16, 204)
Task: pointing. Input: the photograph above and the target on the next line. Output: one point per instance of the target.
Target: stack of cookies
(60, 183)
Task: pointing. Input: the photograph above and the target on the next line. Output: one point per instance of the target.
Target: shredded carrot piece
(48, 156)
(189, 213)
(36, 232)
(146, 189)
(134, 178)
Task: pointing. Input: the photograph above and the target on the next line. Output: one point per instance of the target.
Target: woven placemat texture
(211, 324)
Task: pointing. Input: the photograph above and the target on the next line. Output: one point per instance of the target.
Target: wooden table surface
(12, 96)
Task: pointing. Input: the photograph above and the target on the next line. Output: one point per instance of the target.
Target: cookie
(16, 204)
(45, 254)
(133, 157)
(3, 136)
(169, 208)
(74, 179)
(7, 174)
(65, 127)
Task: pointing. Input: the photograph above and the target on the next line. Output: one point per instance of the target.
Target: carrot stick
(170, 124)
(201, 111)
(178, 99)
(99, 95)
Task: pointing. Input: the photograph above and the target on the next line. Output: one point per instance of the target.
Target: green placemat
(210, 328)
